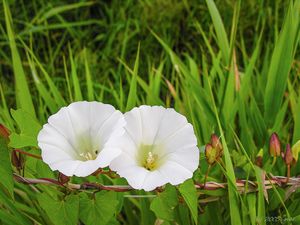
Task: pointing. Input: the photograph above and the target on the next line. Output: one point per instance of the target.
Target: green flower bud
(259, 158)
(211, 154)
(216, 143)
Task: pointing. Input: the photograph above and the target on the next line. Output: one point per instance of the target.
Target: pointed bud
(4, 132)
(211, 154)
(63, 178)
(216, 143)
(17, 160)
(288, 157)
(274, 147)
(259, 158)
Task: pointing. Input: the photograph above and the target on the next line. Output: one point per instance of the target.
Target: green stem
(274, 161)
(206, 175)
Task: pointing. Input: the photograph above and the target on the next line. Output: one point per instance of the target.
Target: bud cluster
(213, 150)
(275, 150)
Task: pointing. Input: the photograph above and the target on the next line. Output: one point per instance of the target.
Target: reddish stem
(288, 173)
(103, 187)
(29, 154)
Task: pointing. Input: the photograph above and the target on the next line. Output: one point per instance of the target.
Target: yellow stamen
(87, 155)
(150, 161)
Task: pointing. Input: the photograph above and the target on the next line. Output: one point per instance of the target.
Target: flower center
(150, 161)
(88, 155)
(87, 149)
(150, 156)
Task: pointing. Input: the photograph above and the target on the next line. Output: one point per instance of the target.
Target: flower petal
(51, 153)
(49, 135)
(122, 162)
(86, 168)
(135, 176)
(134, 125)
(175, 173)
(106, 155)
(153, 180)
(170, 124)
(67, 167)
(188, 158)
(150, 127)
(180, 139)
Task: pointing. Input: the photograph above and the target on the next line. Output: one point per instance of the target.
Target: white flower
(77, 140)
(158, 147)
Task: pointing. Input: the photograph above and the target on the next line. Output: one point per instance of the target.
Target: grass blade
(75, 80)
(132, 96)
(281, 61)
(220, 30)
(232, 190)
(23, 95)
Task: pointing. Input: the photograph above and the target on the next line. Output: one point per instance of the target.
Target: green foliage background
(231, 67)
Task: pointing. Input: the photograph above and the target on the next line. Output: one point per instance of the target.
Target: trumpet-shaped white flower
(77, 140)
(158, 147)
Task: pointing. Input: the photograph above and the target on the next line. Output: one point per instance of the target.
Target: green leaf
(5, 167)
(296, 150)
(42, 89)
(8, 218)
(251, 200)
(229, 173)
(43, 170)
(163, 205)
(29, 128)
(53, 89)
(54, 11)
(132, 96)
(281, 62)
(74, 77)
(220, 30)
(23, 95)
(189, 193)
(260, 201)
(60, 212)
(89, 82)
(9, 205)
(100, 209)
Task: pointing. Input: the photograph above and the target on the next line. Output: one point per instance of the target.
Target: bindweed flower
(77, 140)
(158, 147)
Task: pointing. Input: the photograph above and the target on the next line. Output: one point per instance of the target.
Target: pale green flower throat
(87, 150)
(148, 156)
